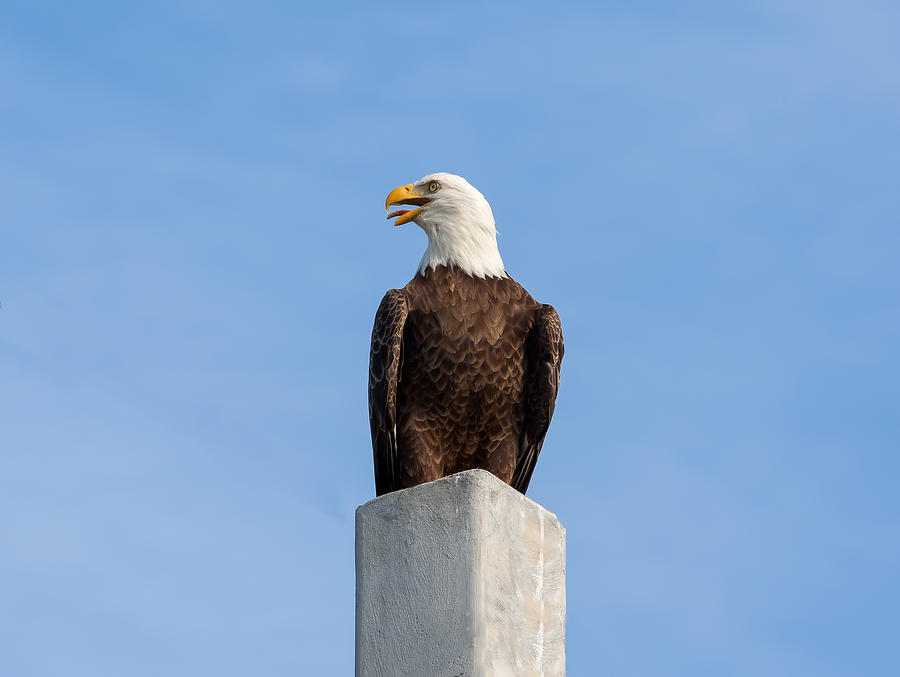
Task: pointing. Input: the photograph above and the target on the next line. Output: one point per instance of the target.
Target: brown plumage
(463, 374)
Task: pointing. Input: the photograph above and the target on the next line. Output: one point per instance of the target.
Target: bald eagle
(464, 363)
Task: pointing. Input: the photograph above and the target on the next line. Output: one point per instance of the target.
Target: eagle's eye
(434, 187)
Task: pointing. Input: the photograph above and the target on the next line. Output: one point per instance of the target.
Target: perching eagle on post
(464, 365)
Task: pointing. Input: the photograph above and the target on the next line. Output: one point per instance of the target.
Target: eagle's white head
(457, 219)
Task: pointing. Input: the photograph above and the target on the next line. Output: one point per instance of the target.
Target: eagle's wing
(543, 353)
(385, 360)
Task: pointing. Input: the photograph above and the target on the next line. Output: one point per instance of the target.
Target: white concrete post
(462, 577)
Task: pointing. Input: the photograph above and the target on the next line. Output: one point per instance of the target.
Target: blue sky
(194, 245)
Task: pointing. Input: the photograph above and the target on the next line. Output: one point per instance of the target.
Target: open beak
(405, 195)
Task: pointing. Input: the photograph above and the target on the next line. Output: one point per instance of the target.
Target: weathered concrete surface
(462, 577)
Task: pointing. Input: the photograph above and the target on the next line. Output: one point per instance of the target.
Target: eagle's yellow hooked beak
(405, 195)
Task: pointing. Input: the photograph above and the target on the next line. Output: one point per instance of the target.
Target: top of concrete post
(461, 576)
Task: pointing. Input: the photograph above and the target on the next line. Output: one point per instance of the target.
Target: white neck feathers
(477, 256)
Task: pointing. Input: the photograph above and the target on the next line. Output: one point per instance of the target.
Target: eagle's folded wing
(385, 360)
(543, 354)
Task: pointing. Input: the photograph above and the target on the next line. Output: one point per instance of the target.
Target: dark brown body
(463, 374)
